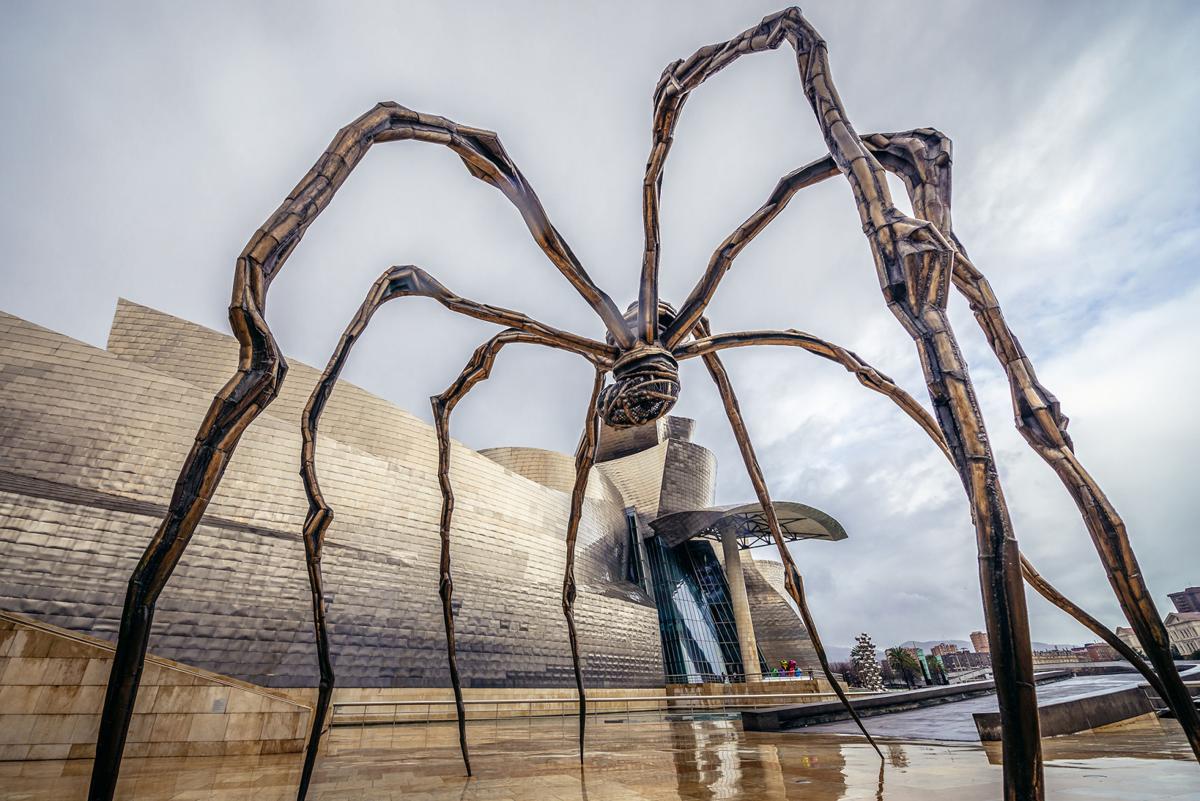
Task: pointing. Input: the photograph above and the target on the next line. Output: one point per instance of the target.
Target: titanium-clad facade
(91, 441)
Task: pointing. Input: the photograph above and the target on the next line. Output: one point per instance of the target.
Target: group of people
(787, 669)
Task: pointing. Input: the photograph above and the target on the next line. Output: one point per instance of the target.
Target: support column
(740, 602)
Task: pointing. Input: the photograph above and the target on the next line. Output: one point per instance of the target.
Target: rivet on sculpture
(917, 259)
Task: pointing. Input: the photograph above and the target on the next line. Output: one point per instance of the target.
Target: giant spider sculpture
(917, 260)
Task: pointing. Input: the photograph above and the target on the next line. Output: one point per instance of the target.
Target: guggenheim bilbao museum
(90, 444)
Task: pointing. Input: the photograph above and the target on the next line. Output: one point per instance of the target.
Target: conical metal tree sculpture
(917, 261)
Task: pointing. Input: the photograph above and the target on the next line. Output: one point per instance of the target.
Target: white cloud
(143, 143)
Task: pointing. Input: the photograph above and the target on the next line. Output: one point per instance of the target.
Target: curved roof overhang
(749, 521)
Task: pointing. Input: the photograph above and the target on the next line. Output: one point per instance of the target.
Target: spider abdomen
(645, 389)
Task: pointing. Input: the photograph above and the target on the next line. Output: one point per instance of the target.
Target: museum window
(699, 638)
(634, 571)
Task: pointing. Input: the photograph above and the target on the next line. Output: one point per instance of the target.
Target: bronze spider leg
(478, 369)
(585, 458)
(878, 382)
(922, 159)
(793, 580)
(867, 375)
(394, 283)
(1046, 590)
(262, 368)
(914, 263)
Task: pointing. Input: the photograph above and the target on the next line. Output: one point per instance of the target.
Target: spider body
(643, 350)
(645, 377)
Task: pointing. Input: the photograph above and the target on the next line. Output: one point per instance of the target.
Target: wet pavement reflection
(954, 721)
(640, 759)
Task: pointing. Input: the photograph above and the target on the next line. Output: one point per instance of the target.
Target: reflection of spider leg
(794, 581)
(396, 282)
(478, 369)
(877, 381)
(262, 368)
(585, 457)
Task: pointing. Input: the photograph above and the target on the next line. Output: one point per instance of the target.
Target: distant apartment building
(966, 660)
(1183, 630)
(1129, 637)
(979, 642)
(1096, 652)
(1186, 601)
(943, 648)
(1055, 656)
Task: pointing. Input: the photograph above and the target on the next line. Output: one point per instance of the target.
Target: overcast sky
(143, 144)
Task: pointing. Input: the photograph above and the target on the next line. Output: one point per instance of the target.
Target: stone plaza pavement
(639, 760)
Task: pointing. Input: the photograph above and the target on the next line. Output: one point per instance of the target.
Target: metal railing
(699, 678)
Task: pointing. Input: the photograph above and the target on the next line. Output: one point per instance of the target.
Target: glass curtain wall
(695, 618)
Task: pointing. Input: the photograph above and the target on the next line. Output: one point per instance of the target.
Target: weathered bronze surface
(395, 283)
(916, 258)
(792, 578)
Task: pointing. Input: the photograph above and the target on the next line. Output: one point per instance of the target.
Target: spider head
(646, 387)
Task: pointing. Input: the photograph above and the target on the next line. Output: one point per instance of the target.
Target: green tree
(905, 665)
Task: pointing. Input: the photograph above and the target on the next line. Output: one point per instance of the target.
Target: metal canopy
(749, 520)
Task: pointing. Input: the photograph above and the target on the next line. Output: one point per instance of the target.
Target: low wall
(794, 716)
(412, 705)
(416, 705)
(730, 693)
(52, 684)
(1073, 715)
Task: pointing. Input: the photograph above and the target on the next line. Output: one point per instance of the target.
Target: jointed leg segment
(793, 580)
(1043, 426)
(916, 260)
(261, 369)
(585, 458)
(874, 380)
(477, 370)
(922, 159)
(395, 283)
(867, 375)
